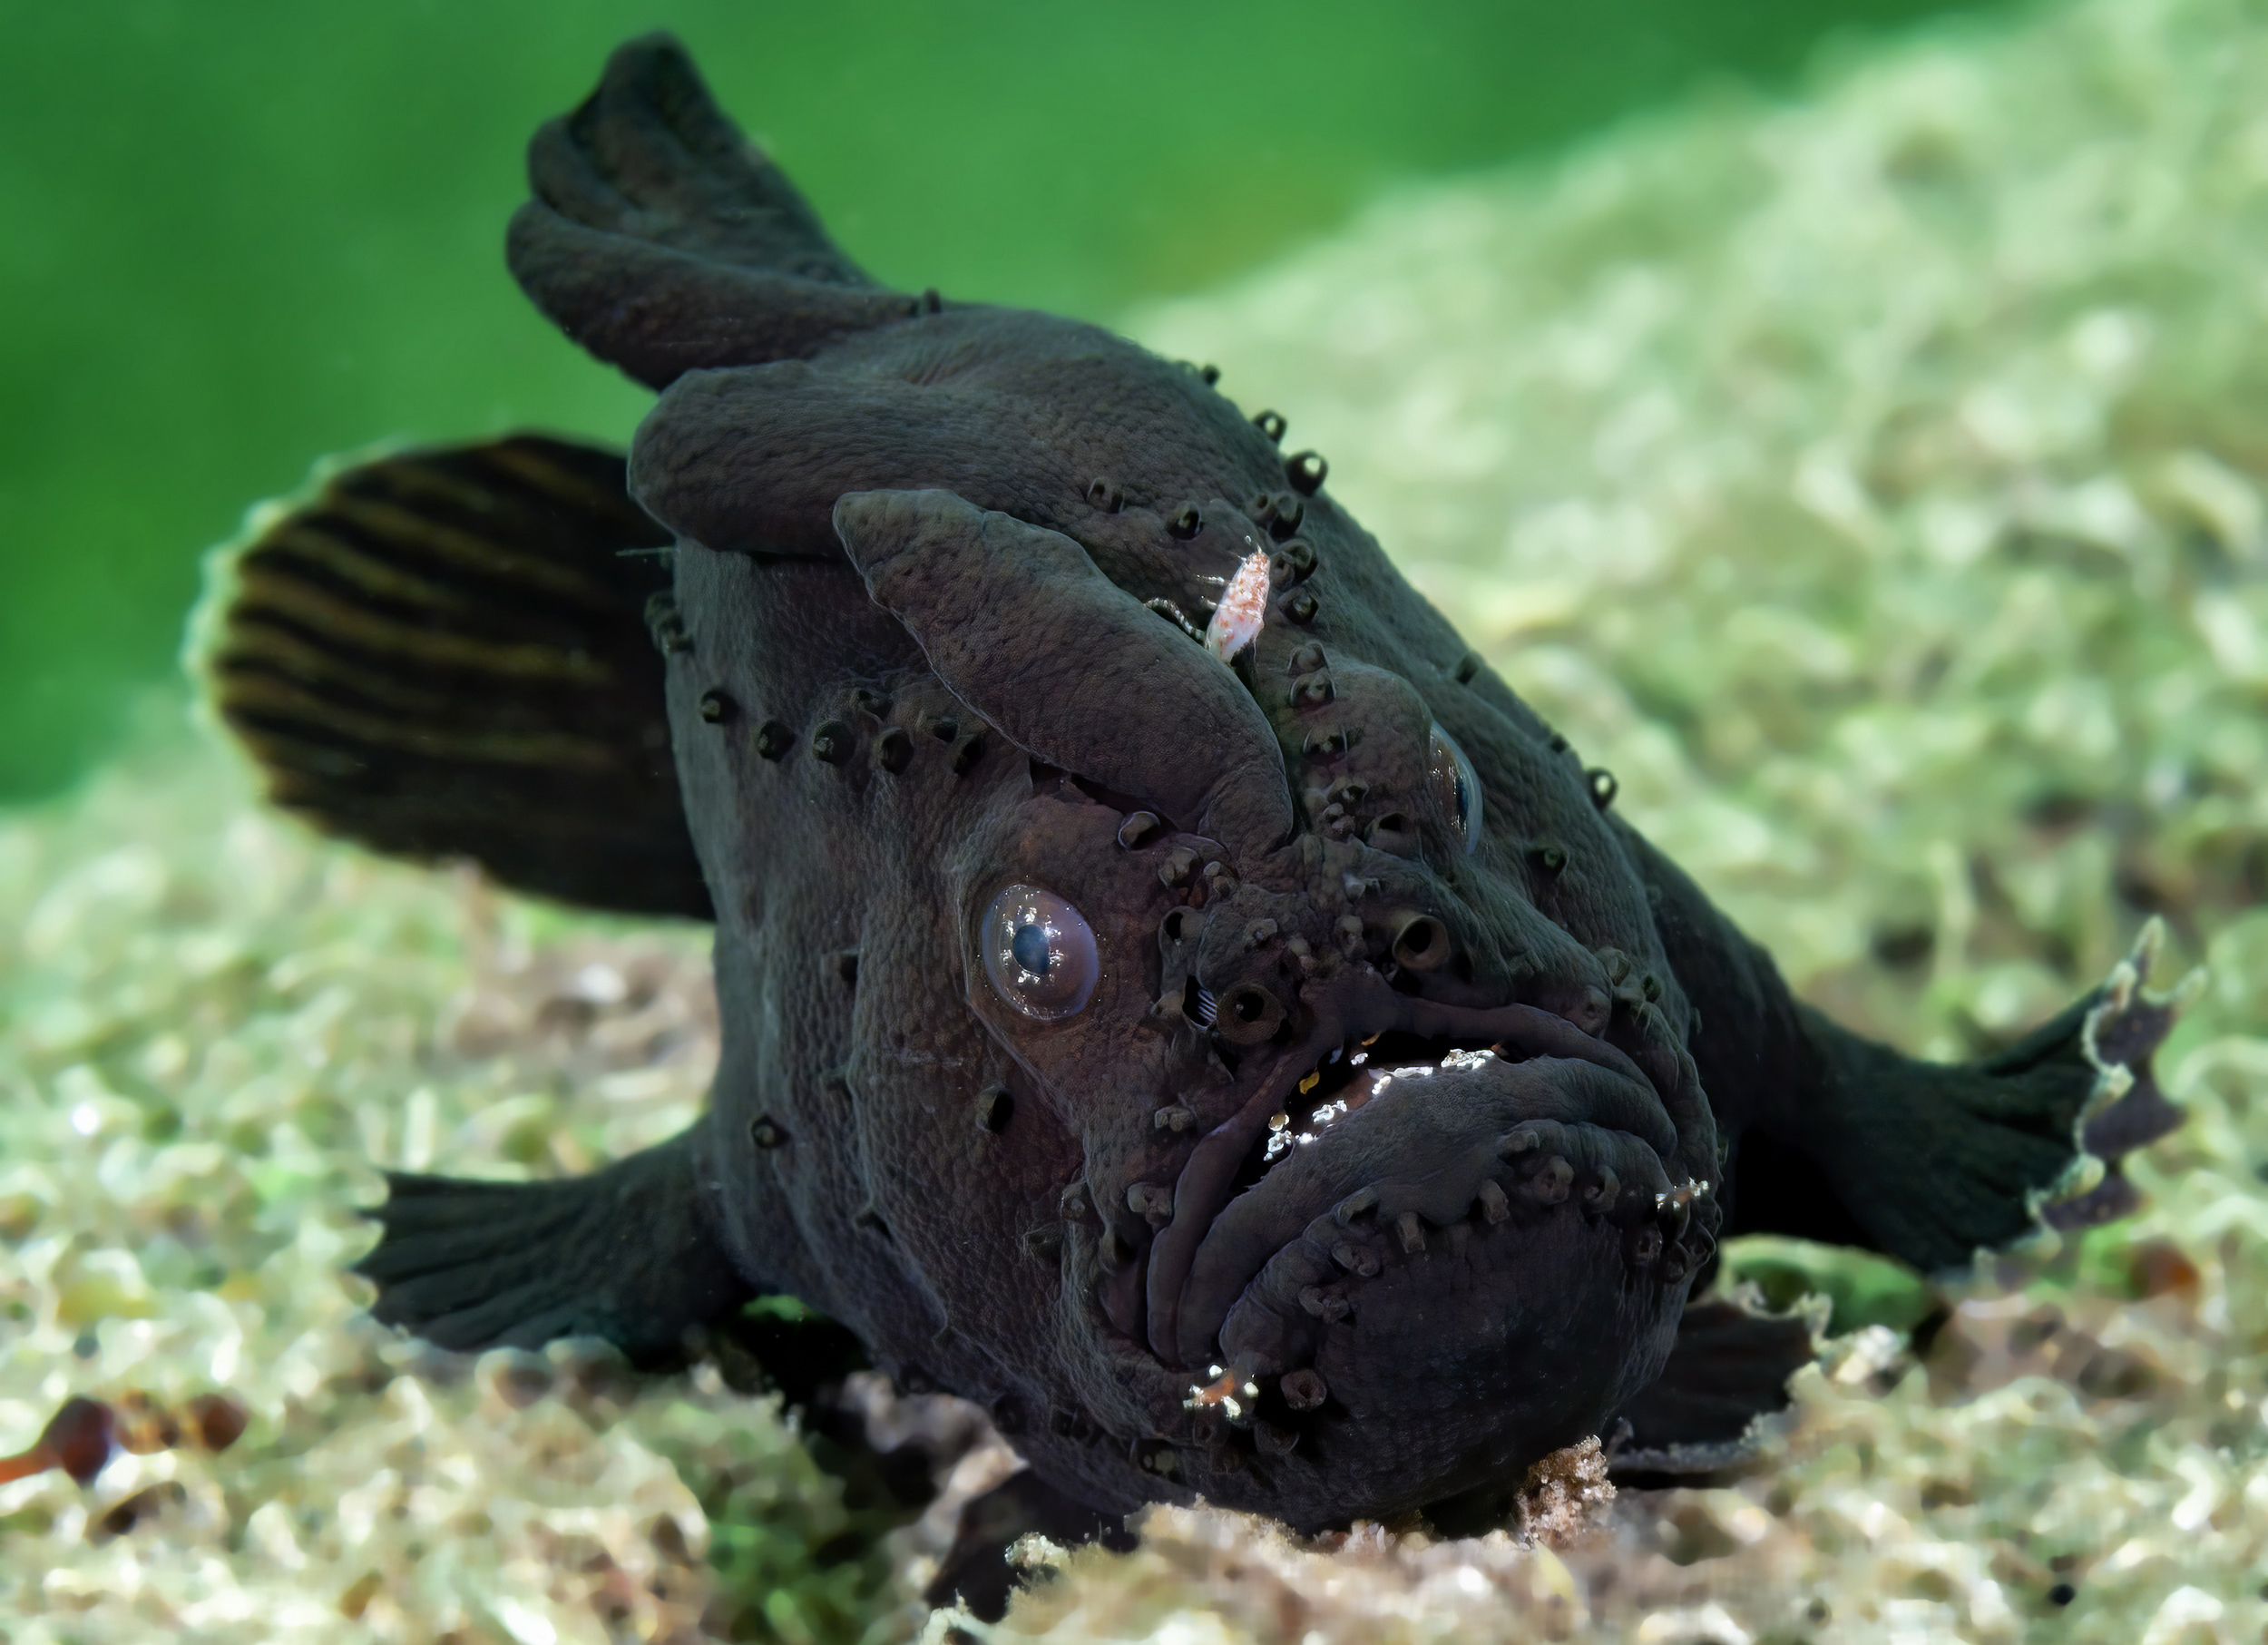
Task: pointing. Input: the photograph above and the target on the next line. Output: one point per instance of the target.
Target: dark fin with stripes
(661, 240)
(629, 1253)
(446, 653)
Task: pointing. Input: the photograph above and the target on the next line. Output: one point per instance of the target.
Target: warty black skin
(924, 639)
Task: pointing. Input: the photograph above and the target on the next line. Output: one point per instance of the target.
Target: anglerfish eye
(1039, 953)
(1456, 787)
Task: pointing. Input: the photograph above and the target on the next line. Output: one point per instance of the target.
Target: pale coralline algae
(1870, 483)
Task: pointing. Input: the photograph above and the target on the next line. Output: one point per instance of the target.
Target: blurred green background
(234, 238)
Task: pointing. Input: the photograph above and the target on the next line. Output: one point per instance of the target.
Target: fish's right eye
(1456, 787)
(1039, 953)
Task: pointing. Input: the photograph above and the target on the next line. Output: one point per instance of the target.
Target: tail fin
(1931, 1163)
(662, 240)
(446, 653)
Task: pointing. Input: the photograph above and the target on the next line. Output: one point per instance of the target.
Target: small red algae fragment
(144, 1425)
(80, 1439)
(144, 1505)
(2154, 1266)
(217, 1420)
(83, 1436)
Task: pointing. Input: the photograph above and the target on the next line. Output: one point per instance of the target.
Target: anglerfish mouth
(1459, 1156)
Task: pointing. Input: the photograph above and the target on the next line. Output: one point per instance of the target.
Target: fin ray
(627, 1253)
(445, 653)
(1729, 1367)
(662, 240)
(1933, 1162)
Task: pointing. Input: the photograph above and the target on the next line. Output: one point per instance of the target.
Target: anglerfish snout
(1490, 1232)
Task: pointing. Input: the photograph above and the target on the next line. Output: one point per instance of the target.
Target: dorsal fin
(661, 240)
(446, 653)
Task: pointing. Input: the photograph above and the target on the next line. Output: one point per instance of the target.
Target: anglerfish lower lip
(1208, 1181)
(1437, 1145)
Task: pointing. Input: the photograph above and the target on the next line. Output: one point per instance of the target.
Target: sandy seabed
(1874, 482)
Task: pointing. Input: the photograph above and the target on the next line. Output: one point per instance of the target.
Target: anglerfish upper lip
(1207, 1183)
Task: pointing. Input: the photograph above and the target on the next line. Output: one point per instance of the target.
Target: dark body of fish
(1264, 1069)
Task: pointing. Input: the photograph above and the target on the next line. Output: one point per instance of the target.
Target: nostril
(1248, 1014)
(1589, 1012)
(1117, 1252)
(1548, 1185)
(1599, 1197)
(1395, 834)
(1421, 943)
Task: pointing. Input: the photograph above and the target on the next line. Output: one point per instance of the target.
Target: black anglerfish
(1173, 993)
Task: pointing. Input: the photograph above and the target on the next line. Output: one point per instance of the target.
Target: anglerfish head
(1395, 1167)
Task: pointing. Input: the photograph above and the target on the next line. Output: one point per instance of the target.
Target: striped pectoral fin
(446, 653)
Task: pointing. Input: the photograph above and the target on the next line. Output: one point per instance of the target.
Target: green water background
(233, 238)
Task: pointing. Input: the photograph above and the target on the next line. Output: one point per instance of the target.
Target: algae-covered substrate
(1874, 483)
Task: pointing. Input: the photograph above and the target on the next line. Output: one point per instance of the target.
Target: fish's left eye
(1455, 786)
(1039, 953)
